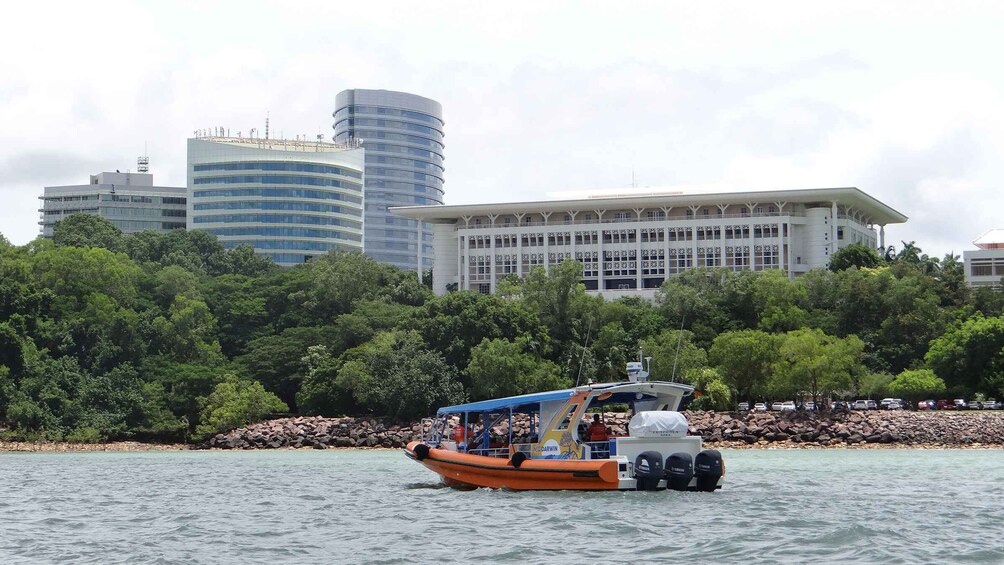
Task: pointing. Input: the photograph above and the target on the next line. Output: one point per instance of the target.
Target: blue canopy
(512, 401)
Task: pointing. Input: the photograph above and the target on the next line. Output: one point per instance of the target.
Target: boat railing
(500, 452)
(598, 449)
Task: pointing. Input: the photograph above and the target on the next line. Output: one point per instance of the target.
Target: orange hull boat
(463, 469)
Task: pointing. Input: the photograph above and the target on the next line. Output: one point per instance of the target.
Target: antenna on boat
(676, 358)
(583, 357)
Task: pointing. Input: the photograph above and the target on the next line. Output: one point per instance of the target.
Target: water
(889, 506)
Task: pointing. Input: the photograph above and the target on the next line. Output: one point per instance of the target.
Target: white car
(777, 406)
(759, 407)
(860, 405)
(788, 406)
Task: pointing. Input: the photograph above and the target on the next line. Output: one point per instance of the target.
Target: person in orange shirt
(597, 431)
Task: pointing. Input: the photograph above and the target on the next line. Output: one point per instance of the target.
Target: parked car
(744, 406)
(960, 404)
(894, 405)
(886, 402)
(860, 405)
(759, 407)
(839, 405)
(777, 406)
(945, 404)
(926, 405)
(871, 405)
(788, 406)
(810, 405)
(990, 404)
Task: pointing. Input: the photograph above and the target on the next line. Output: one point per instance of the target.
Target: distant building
(985, 266)
(289, 199)
(128, 200)
(629, 245)
(403, 137)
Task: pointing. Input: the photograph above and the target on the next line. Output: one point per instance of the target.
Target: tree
(811, 361)
(854, 255)
(277, 361)
(914, 385)
(235, 403)
(744, 360)
(971, 355)
(674, 356)
(455, 323)
(87, 230)
(712, 393)
(500, 368)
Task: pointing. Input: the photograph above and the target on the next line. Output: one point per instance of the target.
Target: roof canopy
(877, 212)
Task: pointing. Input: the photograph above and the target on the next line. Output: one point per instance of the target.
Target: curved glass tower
(403, 137)
(290, 200)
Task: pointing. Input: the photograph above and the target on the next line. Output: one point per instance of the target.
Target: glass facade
(403, 137)
(247, 193)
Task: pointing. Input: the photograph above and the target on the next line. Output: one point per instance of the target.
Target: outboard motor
(679, 471)
(648, 470)
(708, 467)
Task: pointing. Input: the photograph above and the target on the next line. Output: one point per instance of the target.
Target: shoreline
(138, 447)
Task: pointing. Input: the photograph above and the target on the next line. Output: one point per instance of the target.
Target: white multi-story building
(985, 266)
(289, 199)
(632, 244)
(128, 200)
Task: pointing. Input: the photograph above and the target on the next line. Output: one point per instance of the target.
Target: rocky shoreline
(770, 430)
(719, 429)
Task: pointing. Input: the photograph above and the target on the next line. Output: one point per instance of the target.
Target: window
(568, 418)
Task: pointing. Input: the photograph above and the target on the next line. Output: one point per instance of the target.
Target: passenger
(597, 431)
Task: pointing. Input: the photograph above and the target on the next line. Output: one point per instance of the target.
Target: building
(403, 137)
(128, 200)
(631, 244)
(289, 199)
(985, 266)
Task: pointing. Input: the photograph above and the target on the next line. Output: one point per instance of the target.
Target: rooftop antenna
(583, 357)
(143, 162)
(266, 125)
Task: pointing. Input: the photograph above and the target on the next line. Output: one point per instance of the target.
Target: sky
(901, 99)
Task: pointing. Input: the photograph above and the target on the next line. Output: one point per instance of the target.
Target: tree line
(172, 337)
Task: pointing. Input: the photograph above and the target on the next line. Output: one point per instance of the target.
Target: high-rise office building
(289, 199)
(128, 200)
(403, 137)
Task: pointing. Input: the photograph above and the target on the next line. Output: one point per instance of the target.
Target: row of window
(359, 110)
(284, 232)
(277, 219)
(413, 163)
(289, 245)
(374, 149)
(142, 212)
(277, 193)
(396, 173)
(279, 179)
(275, 205)
(620, 216)
(367, 135)
(405, 187)
(620, 236)
(139, 225)
(279, 166)
(401, 198)
(394, 124)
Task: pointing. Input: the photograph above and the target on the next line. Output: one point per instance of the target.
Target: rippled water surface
(888, 506)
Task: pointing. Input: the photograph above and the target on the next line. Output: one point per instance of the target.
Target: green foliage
(235, 403)
(674, 356)
(500, 368)
(87, 230)
(971, 355)
(815, 363)
(916, 384)
(744, 360)
(106, 336)
(854, 255)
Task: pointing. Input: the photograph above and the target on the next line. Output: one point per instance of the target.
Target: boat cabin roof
(619, 393)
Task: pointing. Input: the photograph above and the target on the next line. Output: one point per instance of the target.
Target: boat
(474, 445)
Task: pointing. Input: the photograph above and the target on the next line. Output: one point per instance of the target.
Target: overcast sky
(901, 99)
